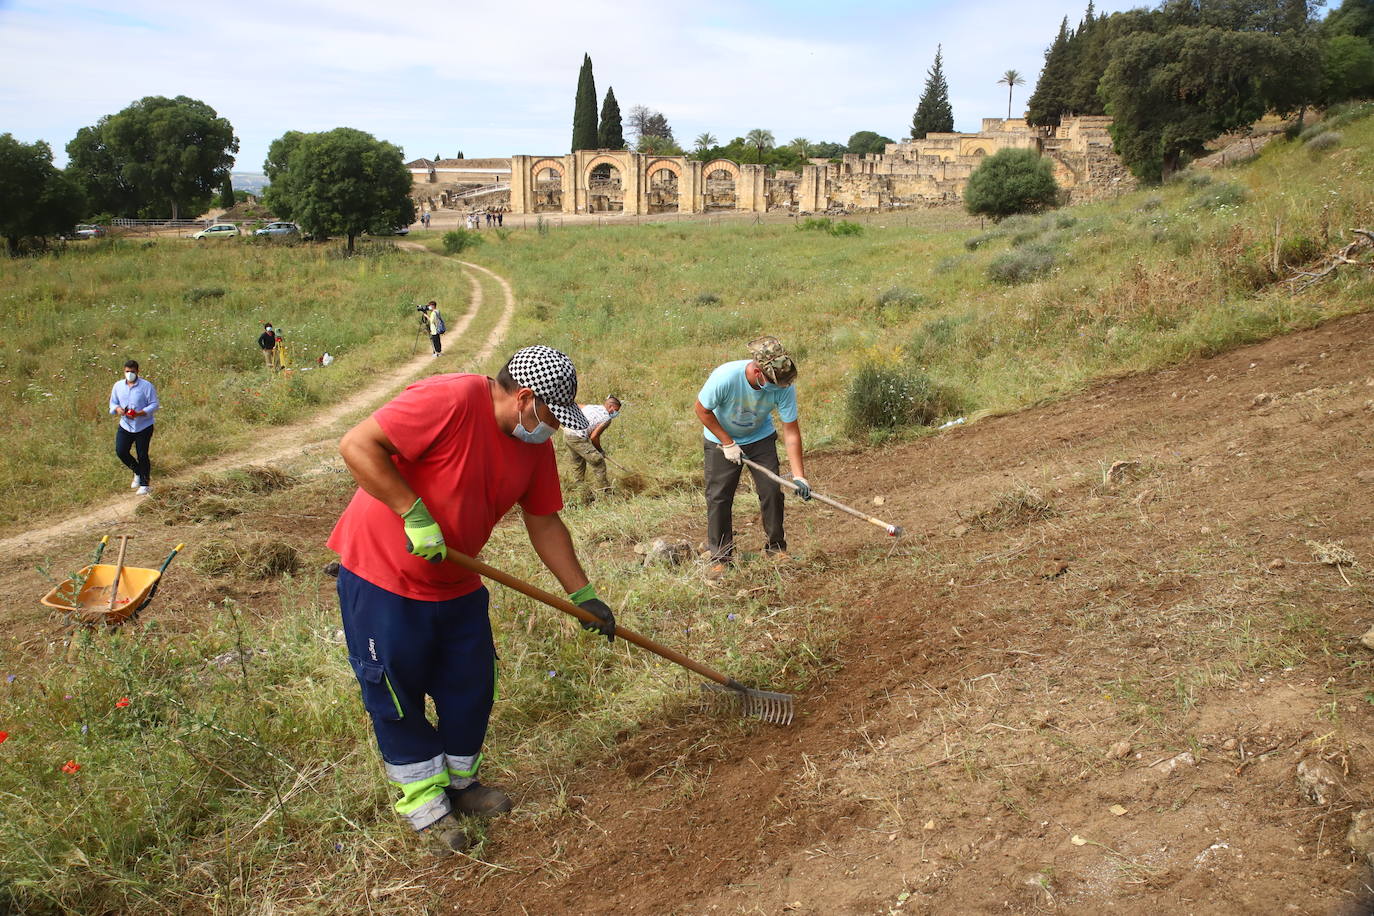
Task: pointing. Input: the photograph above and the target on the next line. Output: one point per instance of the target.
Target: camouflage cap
(773, 360)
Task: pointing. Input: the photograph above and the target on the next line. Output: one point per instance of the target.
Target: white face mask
(269, 329)
(541, 432)
(131, 377)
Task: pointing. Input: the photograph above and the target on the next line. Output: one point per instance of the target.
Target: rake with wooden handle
(774, 708)
(893, 530)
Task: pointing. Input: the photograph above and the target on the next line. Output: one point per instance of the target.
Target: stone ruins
(913, 173)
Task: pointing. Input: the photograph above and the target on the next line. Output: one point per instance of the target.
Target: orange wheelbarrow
(101, 593)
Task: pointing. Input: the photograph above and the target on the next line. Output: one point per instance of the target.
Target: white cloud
(496, 78)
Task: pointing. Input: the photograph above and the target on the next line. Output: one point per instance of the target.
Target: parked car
(86, 231)
(278, 229)
(220, 231)
(399, 230)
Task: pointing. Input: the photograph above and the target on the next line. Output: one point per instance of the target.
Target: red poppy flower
(4, 736)
(70, 767)
(122, 702)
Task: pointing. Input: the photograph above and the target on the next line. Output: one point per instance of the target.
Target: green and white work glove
(585, 598)
(423, 537)
(733, 452)
(803, 488)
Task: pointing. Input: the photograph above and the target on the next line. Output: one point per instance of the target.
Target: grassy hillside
(190, 313)
(250, 782)
(1031, 308)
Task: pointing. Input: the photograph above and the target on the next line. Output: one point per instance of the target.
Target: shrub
(1022, 265)
(893, 305)
(978, 241)
(1298, 250)
(706, 299)
(950, 263)
(456, 241)
(1011, 181)
(197, 293)
(1222, 195)
(1325, 140)
(845, 227)
(815, 224)
(1153, 202)
(887, 398)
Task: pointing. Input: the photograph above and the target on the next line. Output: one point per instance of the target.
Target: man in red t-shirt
(440, 465)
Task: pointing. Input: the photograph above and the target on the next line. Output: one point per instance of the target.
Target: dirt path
(288, 442)
(1072, 689)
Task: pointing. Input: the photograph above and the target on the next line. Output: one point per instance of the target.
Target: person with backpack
(437, 328)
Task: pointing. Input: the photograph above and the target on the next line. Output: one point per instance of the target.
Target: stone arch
(657, 164)
(718, 164)
(548, 192)
(663, 194)
(605, 195)
(721, 180)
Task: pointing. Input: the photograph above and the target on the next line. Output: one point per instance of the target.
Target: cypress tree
(226, 194)
(584, 112)
(933, 112)
(611, 133)
(1049, 100)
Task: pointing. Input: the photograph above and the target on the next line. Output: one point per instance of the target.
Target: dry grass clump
(1020, 506)
(210, 498)
(255, 557)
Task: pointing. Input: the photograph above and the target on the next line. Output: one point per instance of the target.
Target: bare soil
(956, 755)
(1082, 682)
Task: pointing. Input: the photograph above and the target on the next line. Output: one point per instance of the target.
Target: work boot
(483, 801)
(447, 836)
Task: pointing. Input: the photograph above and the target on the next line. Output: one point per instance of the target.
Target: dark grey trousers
(722, 478)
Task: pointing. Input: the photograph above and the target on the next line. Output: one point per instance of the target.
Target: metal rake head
(773, 708)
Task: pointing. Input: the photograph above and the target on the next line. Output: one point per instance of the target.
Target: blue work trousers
(404, 649)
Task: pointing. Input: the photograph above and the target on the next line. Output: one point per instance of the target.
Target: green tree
(611, 133)
(704, 141)
(933, 112)
(1169, 93)
(157, 155)
(1352, 17)
(1046, 105)
(867, 142)
(584, 110)
(36, 199)
(802, 146)
(761, 140)
(1011, 181)
(1347, 69)
(1011, 79)
(340, 182)
(226, 194)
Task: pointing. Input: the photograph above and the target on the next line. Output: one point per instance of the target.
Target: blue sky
(497, 78)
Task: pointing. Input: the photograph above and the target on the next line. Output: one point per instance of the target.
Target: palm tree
(760, 140)
(801, 145)
(1012, 80)
(705, 141)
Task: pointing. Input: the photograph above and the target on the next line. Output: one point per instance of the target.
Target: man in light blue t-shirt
(735, 407)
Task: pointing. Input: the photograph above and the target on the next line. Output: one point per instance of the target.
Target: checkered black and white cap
(551, 376)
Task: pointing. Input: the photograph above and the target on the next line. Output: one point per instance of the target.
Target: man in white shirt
(584, 445)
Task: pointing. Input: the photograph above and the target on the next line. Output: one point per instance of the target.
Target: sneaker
(142, 491)
(436, 355)
(447, 836)
(135, 485)
(483, 801)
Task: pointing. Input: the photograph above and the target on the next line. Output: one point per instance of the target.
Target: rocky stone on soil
(1367, 640)
(1318, 781)
(1121, 470)
(1360, 836)
(1170, 766)
(665, 551)
(1261, 399)
(1120, 750)
(1277, 563)
(959, 531)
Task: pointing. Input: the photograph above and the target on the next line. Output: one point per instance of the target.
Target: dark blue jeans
(125, 442)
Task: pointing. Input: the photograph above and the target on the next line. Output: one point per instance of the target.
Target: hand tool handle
(894, 530)
(100, 549)
(158, 583)
(119, 568)
(567, 607)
